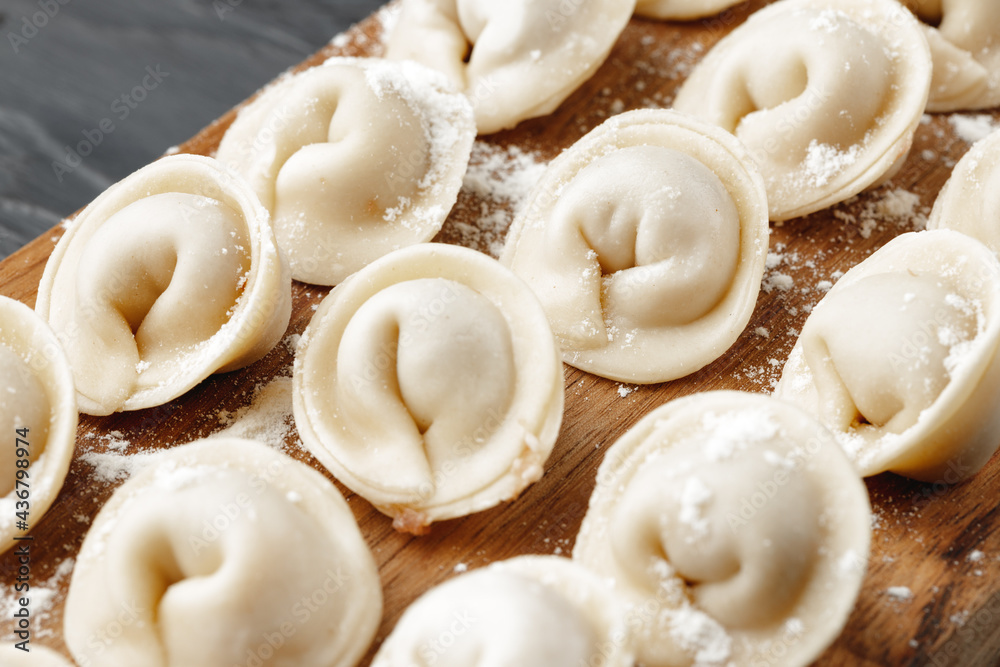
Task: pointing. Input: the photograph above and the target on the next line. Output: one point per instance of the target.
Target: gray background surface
(65, 66)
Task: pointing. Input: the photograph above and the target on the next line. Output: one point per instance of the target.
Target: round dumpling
(430, 384)
(736, 528)
(169, 276)
(38, 417)
(223, 552)
(970, 201)
(826, 94)
(682, 10)
(900, 358)
(645, 243)
(514, 60)
(965, 47)
(354, 158)
(530, 611)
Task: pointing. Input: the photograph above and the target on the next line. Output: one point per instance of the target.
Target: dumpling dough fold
(645, 243)
(900, 358)
(354, 158)
(430, 384)
(969, 202)
(964, 36)
(223, 552)
(530, 611)
(169, 276)
(514, 60)
(736, 529)
(38, 418)
(826, 95)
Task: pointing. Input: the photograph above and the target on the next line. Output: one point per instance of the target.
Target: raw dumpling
(38, 656)
(167, 277)
(354, 158)
(736, 528)
(531, 611)
(223, 552)
(826, 94)
(645, 243)
(429, 383)
(36, 395)
(970, 201)
(514, 60)
(965, 47)
(900, 358)
(682, 10)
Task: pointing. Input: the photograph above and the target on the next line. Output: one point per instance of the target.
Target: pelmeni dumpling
(682, 10)
(965, 47)
(514, 60)
(645, 243)
(36, 656)
(223, 552)
(430, 384)
(169, 276)
(900, 358)
(970, 201)
(530, 611)
(736, 528)
(826, 94)
(354, 158)
(38, 419)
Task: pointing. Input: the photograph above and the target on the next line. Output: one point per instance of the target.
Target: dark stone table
(91, 90)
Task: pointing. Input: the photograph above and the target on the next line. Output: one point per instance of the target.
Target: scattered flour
(702, 635)
(42, 596)
(268, 418)
(726, 433)
(500, 178)
(694, 496)
(899, 593)
(823, 162)
(112, 464)
(971, 129)
(110, 467)
(898, 207)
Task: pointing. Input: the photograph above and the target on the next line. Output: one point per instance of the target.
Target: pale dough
(354, 158)
(223, 552)
(514, 60)
(430, 384)
(900, 358)
(735, 527)
(645, 242)
(826, 94)
(168, 276)
(37, 394)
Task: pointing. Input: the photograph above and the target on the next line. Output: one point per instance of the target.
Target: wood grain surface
(940, 541)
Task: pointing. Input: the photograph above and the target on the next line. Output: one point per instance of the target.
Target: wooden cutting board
(940, 541)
